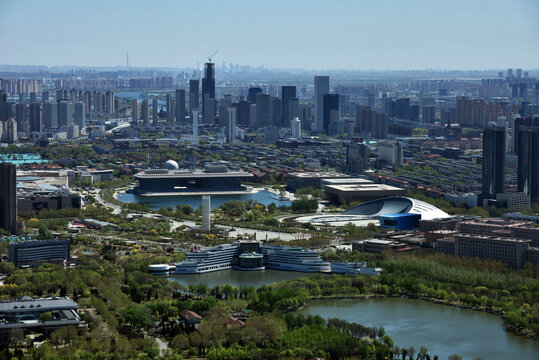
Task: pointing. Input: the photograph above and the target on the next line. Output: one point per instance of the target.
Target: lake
(443, 330)
(156, 202)
(239, 278)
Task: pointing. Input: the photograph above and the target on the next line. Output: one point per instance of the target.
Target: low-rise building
(298, 180)
(25, 314)
(34, 252)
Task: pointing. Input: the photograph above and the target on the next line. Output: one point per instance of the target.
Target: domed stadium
(370, 212)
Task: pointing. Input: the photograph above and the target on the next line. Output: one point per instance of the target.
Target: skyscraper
(428, 114)
(262, 110)
(134, 111)
(145, 113)
(528, 162)
(208, 93)
(8, 197)
(194, 91)
(493, 162)
(155, 117)
(35, 117)
(65, 116)
(194, 119)
(109, 102)
(50, 115)
(80, 114)
(171, 110)
(206, 208)
(230, 127)
(251, 97)
(330, 103)
(287, 114)
(321, 87)
(180, 106)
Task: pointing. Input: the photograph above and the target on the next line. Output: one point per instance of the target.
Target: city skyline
(308, 35)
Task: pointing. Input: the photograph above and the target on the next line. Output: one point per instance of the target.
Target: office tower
(21, 115)
(80, 114)
(194, 92)
(390, 152)
(519, 73)
(330, 105)
(371, 100)
(171, 110)
(287, 112)
(402, 108)
(35, 117)
(523, 91)
(145, 113)
(180, 106)
(275, 111)
(509, 73)
(59, 95)
(33, 97)
(155, 117)
(194, 111)
(321, 87)
(501, 121)
(357, 157)
(44, 96)
(528, 161)
(493, 162)
(208, 93)
(253, 121)
(65, 116)
(8, 197)
(251, 97)
(50, 115)
(206, 208)
(135, 111)
(109, 102)
(226, 100)
(262, 110)
(230, 126)
(295, 128)
(242, 107)
(428, 114)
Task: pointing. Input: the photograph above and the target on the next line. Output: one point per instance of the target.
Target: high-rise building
(251, 97)
(11, 131)
(21, 115)
(275, 111)
(109, 102)
(287, 111)
(50, 115)
(35, 117)
(80, 114)
(134, 111)
(321, 87)
(528, 162)
(145, 113)
(208, 93)
(493, 162)
(390, 152)
(155, 117)
(230, 127)
(8, 197)
(3, 107)
(330, 103)
(402, 108)
(65, 116)
(357, 157)
(206, 208)
(428, 114)
(194, 112)
(262, 110)
(295, 128)
(194, 92)
(180, 106)
(44, 96)
(171, 110)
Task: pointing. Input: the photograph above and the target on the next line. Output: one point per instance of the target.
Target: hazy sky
(310, 34)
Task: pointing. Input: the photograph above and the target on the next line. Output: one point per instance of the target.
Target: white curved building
(369, 212)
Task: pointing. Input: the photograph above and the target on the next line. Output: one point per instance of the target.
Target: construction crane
(211, 57)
